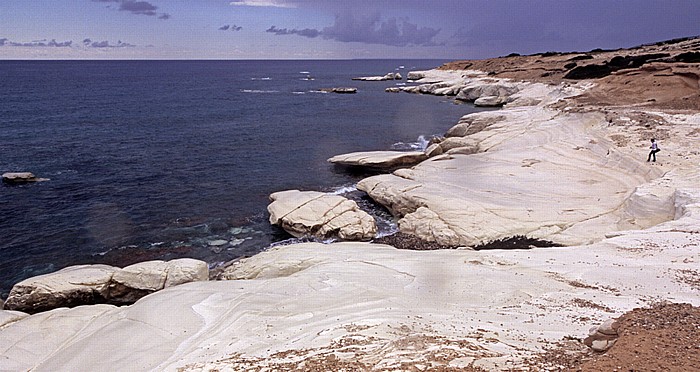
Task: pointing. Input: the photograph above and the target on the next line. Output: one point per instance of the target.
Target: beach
(564, 160)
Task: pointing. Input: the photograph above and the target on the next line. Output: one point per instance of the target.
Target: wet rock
(311, 213)
(20, 177)
(393, 90)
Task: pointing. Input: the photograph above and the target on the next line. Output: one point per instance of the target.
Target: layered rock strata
(311, 213)
(379, 160)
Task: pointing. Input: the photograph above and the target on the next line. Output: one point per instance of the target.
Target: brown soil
(669, 83)
(665, 337)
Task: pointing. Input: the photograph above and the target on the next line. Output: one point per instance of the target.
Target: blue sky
(320, 29)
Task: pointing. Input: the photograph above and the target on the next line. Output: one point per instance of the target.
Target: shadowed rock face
(595, 71)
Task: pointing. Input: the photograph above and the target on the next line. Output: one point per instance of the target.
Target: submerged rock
(94, 284)
(311, 213)
(380, 160)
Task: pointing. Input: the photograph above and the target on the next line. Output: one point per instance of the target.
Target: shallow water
(164, 159)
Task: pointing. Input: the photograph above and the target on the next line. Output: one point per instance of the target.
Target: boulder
(311, 213)
(380, 160)
(490, 101)
(603, 337)
(452, 145)
(69, 287)
(93, 284)
(20, 177)
(480, 89)
(393, 90)
(415, 75)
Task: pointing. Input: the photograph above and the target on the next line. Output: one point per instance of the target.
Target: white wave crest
(344, 190)
(259, 91)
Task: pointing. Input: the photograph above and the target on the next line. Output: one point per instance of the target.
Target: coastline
(387, 309)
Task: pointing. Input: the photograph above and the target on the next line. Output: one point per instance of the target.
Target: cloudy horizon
(318, 29)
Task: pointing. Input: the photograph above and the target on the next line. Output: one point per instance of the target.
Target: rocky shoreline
(562, 161)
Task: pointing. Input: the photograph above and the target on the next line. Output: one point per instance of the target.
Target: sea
(167, 159)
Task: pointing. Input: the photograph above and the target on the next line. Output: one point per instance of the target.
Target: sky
(333, 29)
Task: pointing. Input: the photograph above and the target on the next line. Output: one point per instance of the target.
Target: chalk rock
(453, 145)
(484, 89)
(415, 75)
(9, 316)
(388, 76)
(379, 160)
(93, 284)
(72, 286)
(140, 279)
(311, 213)
(490, 101)
(20, 177)
(471, 124)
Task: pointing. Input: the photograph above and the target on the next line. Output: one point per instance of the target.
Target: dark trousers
(652, 153)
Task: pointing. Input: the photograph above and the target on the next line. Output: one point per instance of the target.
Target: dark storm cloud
(137, 7)
(307, 32)
(106, 44)
(37, 43)
(370, 30)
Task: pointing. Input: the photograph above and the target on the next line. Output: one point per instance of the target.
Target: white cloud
(268, 3)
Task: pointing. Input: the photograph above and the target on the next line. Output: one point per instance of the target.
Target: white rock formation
(388, 76)
(380, 160)
(307, 302)
(311, 213)
(20, 177)
(533, 171)
(90, 284)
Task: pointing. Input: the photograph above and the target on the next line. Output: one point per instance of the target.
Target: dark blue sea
(160, 159)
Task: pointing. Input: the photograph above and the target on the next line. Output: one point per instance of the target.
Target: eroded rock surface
(379, 160)
(311, 213)
(94, 284)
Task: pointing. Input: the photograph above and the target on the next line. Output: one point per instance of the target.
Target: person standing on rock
(654, 149)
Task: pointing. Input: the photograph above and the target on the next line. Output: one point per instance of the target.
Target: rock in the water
(393, 90)
(388, 76)
(379, 160)
(20, 177)
(311, 213)
(93, 284)
(340, 90)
